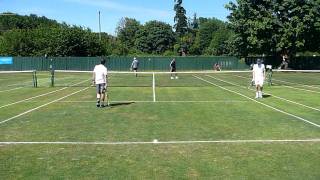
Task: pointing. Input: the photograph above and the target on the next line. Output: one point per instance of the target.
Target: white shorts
(259, 82)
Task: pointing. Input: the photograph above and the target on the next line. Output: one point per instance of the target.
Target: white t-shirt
(258, 71)
(101, 73)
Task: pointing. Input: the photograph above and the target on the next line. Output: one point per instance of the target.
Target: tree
(15, 21)
(62, 41)
(36, 36)
(208, 36)
(206, 30)
(180, 19)
(126, 32)
(195, 22)
(155, 37)
(219, 44)
(274, 27)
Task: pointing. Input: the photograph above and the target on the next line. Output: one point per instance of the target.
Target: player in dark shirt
(173, 69)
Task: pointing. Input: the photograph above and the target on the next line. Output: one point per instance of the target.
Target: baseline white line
(41, 95)
(31, 110)
(10, 72)
(286, 86)
(278, 97)
(222, 101)
(266, 141)
(304, 71)
(10, 89)
(266, 105)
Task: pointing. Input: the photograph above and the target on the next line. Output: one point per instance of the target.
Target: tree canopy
(255, 27)
(36, 36)
(127, 30)
(155, 37)
(275, 27)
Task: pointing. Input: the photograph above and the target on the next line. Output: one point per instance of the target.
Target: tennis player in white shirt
(259, 75)
(100, 79)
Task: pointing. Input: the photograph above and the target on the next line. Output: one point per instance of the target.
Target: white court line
(11, 89)
(296, 83)
(10, 72)
(154, 87)
(218, 101)
(34, 97)
(27, 82)
(266, 105)
(266, 141)
(302, 89)
(278, 97)
(31, 110)
(305, 71)
(286, 86)
(40, 80)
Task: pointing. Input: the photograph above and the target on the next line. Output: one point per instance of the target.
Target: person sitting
(216, 67)
(284, 64)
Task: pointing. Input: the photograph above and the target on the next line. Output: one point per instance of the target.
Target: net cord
(151, 73)
(187, 72)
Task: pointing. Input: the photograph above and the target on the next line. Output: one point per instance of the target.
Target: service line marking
(262, 141)
(278, 97)
(46, 104)
(41, 95)
(266, 105)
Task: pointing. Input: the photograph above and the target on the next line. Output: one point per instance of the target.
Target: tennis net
(15, 79)
(188, 79)
(140, 79)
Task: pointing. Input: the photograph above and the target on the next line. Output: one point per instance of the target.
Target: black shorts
(173, 70)
(101, 88)
(135, 69)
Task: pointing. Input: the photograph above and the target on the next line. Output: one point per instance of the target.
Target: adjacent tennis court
(201, 125)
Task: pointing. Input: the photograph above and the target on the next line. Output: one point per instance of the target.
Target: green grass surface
(186, 109)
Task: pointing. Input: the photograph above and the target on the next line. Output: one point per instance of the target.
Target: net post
(270, 78)
(52, 78)
(52, 72)
(154, 87)
(35, 79)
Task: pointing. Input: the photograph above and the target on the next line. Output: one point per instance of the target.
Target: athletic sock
(257, 94)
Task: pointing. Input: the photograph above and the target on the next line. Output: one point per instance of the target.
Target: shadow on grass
(121, 104)
(266, 95)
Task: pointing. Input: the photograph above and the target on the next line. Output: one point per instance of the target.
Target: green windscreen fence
(122, 63)
(151, 63)
(297, 63)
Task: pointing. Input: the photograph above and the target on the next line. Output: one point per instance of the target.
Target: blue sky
(85, 12)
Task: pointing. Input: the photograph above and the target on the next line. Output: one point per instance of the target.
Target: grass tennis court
(200, 126)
